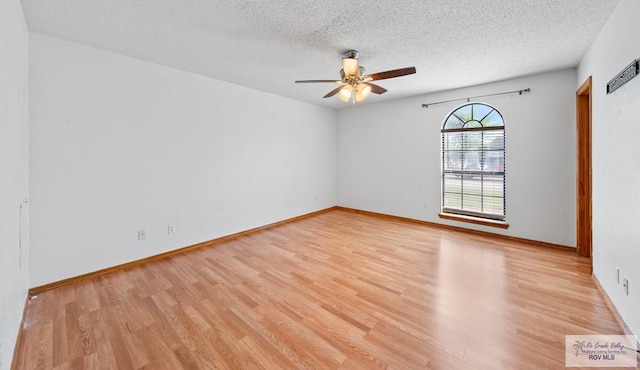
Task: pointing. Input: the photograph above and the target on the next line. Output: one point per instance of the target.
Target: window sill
(474, 220)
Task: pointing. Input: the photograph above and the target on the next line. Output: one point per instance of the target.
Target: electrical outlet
(625, 285)
(142, 235)
(617, 275)
(171, 229)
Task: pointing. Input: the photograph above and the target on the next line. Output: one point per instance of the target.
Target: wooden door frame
(584, 240)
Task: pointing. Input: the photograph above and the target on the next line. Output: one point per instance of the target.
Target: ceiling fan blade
(333, 92)
(317, 81)
(375, 88)
(391, 74)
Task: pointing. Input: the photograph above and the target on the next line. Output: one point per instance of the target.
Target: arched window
(473, 162)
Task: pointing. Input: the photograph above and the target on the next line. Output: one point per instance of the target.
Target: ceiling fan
(356, 84)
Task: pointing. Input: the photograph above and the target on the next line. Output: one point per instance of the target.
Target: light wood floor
(339, 290)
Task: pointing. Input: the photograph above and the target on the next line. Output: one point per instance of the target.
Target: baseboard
(462, 229)
(16, 348)
(209, 243)
(612, 307)
(43, 288)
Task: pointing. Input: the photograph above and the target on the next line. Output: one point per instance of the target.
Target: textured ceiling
(267, 44)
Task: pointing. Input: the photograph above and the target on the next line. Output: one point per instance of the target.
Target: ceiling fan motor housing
(345, 78)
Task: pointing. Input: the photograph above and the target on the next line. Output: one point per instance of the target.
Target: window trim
(483, 218)
(474, 220)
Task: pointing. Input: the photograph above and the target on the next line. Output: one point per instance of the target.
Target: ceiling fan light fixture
(345, 93)
(364, 89)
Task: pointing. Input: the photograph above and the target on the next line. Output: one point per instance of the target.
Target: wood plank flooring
(339, 290)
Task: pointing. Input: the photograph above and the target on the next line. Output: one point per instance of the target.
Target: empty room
(319, 185)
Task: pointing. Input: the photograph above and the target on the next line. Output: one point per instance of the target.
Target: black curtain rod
(520, 92)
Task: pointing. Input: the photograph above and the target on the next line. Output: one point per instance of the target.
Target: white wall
(120, 144)
(616, 161)
(390, 156)
(14, 180)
